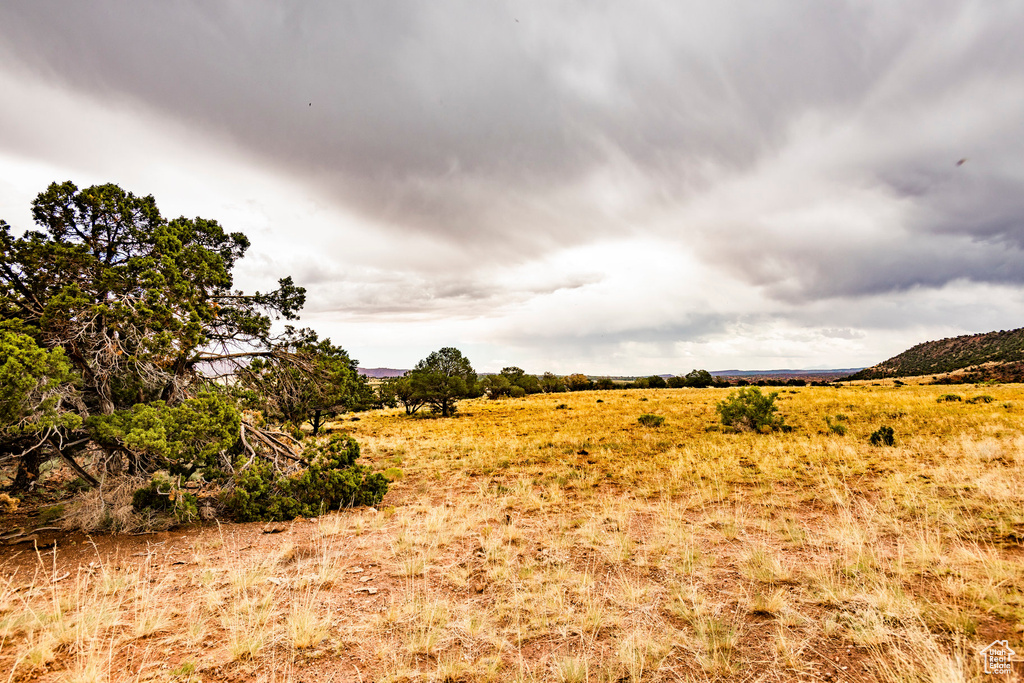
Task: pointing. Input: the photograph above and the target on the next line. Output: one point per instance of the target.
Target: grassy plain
(553, 538)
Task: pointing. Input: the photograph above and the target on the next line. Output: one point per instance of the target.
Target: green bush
(648, 420)
(182, 439)
(836, 427)
(748, 408)
(333, 480)
(984, 398)
(517, 392)
(883, 436)
(949, 398)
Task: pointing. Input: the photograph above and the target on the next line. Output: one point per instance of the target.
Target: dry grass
(526, 542)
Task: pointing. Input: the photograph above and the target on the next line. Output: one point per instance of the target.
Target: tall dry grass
(526, 542)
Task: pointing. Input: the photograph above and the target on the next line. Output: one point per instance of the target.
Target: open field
(553, 538)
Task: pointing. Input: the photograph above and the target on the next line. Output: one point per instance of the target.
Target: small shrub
(648, 420)
(883, 436)
(836, 427)
(393, 473)
(748, 408)
(561, 406)
(600, 400)
(187, 668)
(949, 398)
(984, 398)
(333, 480)
(517, 392)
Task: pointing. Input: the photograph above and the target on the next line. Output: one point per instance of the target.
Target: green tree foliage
(386, 393)
(656, 382)
(517, 377)
(116, 321)
(192, 436)
(137, 302)
(577, 382)
(883, 436)
(441, 379)
(331, 481)
(167, 495)
(406, 394)
(318, 381)
(496, 386)
(510, 382)
(748, 408)
(698, 379)
(551, 383)
(35, 387)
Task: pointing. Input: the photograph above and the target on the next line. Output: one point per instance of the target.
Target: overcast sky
(607, 187)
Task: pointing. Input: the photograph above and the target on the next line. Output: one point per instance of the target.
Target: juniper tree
(441, 379)
(116, 320)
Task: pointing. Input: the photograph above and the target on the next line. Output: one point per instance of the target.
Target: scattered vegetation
(648, 420)
(883, 436)
(528, 544)
(749, 409)
(835, 425)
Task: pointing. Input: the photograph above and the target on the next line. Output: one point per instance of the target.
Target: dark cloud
(807, 150)
(454, 118)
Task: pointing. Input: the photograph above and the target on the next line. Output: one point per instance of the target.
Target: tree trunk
(28, 471)
(316, 421)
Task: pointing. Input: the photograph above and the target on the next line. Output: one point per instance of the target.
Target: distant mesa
(970, 358)
(381, 373)
(783, 375)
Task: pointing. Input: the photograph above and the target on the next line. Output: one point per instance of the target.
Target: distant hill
(972, 357)
(381, 373)
(811, 375)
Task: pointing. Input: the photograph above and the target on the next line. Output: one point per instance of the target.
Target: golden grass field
(528, 542)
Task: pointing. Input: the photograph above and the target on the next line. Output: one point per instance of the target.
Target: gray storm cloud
(807, 148)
